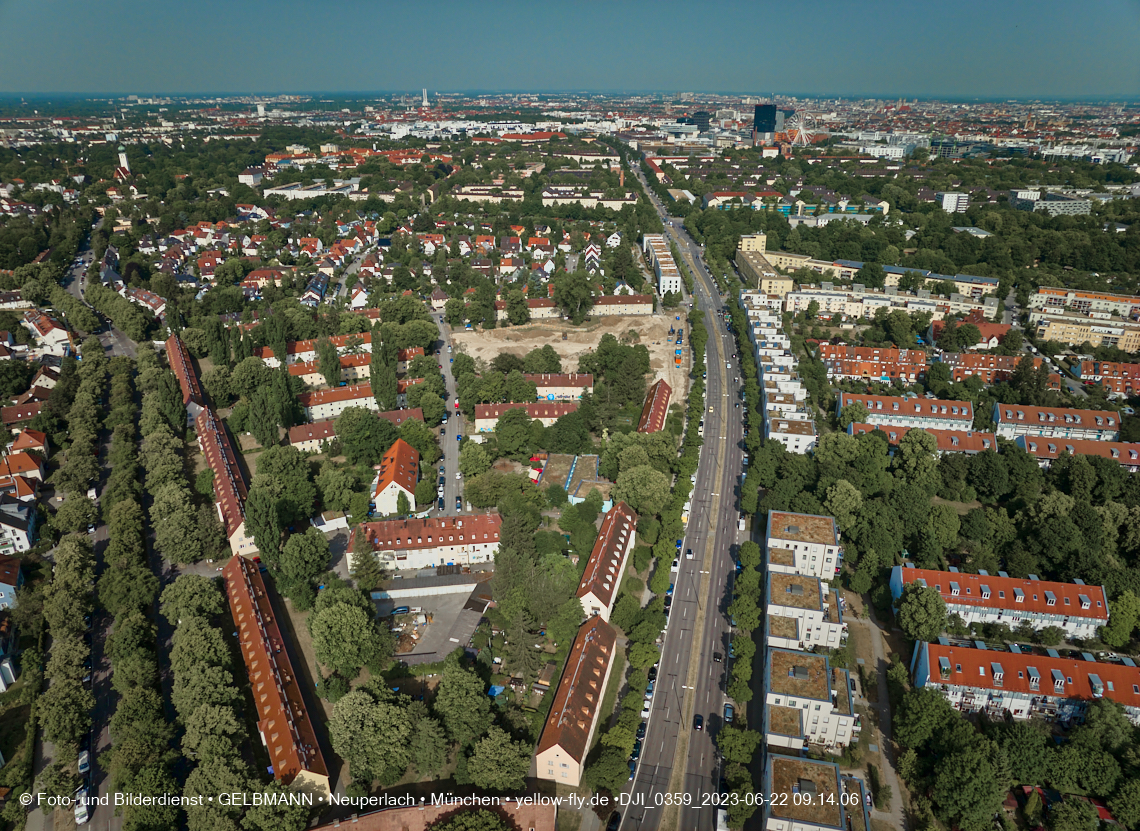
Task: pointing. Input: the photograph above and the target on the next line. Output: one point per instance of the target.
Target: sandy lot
(652, 331)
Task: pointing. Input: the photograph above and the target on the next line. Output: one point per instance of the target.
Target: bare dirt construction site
(652, 331)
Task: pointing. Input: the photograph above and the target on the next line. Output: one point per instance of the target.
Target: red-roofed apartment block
(282, 719)
(569, 730)
(984, 598)
(949, 441)
(604, 569)
(183, 369)
(426, 543)
(230, 488)
(396, 474)
(656, 408)
(1025, 684)
(487, 415)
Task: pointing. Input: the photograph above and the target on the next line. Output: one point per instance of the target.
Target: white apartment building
(895, 411)
(953, 203)
(798, 436)
(803, 544)
(803, 613)
(1049, 298)
(1076, 608)
(325, 404)
(1015, 420)
(426, 543)
(807, 702)
(1024, 684)
(656, 247)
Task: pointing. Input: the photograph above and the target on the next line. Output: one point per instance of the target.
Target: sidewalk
(882, 709)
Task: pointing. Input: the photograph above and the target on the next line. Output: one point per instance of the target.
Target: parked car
(641, 730)
(459, 503)
(614, 822)
(84, 763)
(441, 503)
(80, 800)
(636, 751)
(729, 712)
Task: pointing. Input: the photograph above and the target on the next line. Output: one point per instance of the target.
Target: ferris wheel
(802, 127)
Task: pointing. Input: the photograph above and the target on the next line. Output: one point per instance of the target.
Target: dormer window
(1085, 604)
(1018, 596)
(953, 589)
(985, 592)
(998, 673)
(1034, 678)
(1050, 599)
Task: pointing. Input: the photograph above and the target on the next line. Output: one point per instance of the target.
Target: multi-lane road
(677, 758)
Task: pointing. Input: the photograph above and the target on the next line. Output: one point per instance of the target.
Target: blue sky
(966, 48)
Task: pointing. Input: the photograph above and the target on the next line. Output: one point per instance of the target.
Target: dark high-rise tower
(702, 120)
(764, 120)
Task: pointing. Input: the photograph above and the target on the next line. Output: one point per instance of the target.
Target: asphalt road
(114, 341)
(690, 681)
(456, 423)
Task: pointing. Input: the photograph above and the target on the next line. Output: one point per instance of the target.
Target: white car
(84, 763)
(458, 475)
(80, 800)
(676, 565)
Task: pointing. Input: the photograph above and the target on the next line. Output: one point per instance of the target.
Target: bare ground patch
(652, 331)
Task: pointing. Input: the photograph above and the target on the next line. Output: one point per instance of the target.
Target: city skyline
(973, 51)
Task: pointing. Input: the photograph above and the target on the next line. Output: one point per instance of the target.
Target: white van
(740, 524)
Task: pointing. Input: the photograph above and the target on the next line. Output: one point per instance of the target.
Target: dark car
(459, 503)
(653, 673)
(641, 730)
(441, 503)
(718, 657)
(636, 751)
(632, 770)
(698, 722)
(615, 821)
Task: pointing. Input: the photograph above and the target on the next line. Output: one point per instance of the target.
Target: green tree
(737, 744)
(574, 294)
(75, 514)
(372, 735)
(921, 612)
(644, 488)
(473, 459)
(512, 432)
(1122, 621)
(843, 501)
(263, 523)
(429, 746)
(328, 361)
(499, 764)
(853, 413)
(191, 595)
(461, 702)
(518, 312)
(345, 639)
(305, 556)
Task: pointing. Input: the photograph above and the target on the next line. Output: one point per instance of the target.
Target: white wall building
(807, 702)
(425, 543)
(803, 544)
(803, 613)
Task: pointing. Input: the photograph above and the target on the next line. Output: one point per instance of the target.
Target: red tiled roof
(978, 672)
(230, 488)
(1088, 419)
(603, 570)
(22, 412)
(1113, 375)
(183, 369)
(538, 409)
(656, 408)
(580, 690)
(949, 441)
(915, 407)
(19, 464)
(401, 464)
(283, 720)
(30, 440)
(970, 593)
(350, 393)
(1126, 453)
(416, 534)
(842, 351)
